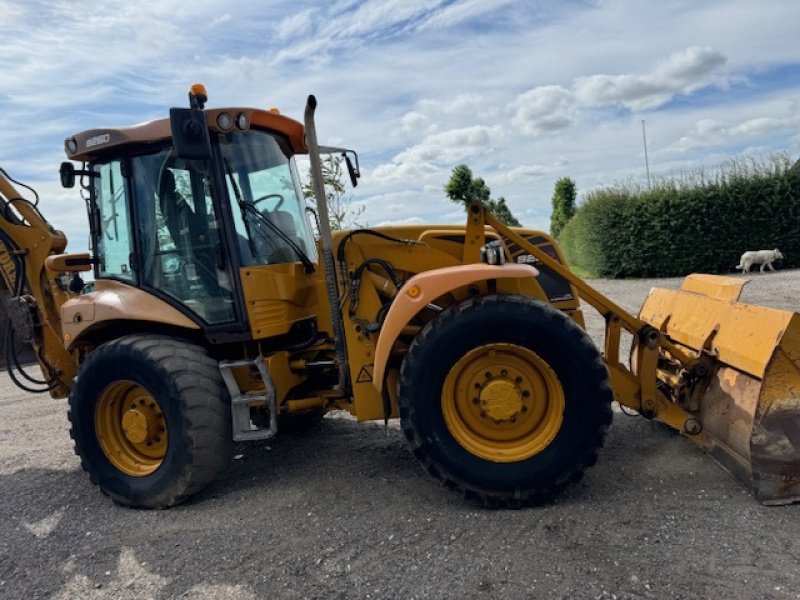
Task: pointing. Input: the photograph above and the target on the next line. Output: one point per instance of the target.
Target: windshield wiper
(307, 263)
(242, 204)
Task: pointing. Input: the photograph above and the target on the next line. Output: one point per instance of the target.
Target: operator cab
(181, 228)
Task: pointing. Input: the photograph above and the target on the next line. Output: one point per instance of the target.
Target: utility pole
(646, 162)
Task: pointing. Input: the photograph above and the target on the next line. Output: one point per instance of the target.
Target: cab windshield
(266, 199)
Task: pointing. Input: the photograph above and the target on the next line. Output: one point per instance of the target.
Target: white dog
(765, 258)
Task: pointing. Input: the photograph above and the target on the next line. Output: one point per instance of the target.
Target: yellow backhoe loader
(218, 315)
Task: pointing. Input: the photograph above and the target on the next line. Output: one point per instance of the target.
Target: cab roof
(94, 144)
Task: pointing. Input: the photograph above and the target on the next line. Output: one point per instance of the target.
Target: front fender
(424, 288)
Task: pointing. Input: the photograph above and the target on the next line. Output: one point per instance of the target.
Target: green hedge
(699, 223)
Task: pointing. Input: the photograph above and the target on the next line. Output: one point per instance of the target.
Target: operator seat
(188, 231)
(284, 221)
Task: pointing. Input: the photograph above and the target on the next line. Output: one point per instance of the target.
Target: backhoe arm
(37, 292)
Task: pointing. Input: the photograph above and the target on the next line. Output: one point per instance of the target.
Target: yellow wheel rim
(503, 403)
(131, 428)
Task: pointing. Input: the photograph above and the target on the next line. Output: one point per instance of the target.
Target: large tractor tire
(151, 420)
(505, 399)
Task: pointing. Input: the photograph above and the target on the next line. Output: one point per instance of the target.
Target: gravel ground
(347, 513)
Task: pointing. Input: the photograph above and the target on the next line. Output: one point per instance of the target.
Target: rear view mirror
(190, 133)
(353, 168)
(67, 172)
(354, 171)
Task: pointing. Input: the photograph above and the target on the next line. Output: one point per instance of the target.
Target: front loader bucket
(750, 410)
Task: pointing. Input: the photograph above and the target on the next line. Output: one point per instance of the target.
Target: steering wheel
(267, 197)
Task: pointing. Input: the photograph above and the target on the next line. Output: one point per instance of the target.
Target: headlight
(242, 122)
(225, 121)
(493, 253)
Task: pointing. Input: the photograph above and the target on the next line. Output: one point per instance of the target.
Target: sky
(522, 92)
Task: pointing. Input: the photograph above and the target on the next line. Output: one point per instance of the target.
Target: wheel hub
(131, 428)
(501, 400)
(138, 426)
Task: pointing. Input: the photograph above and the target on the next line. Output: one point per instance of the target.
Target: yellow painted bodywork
(116, 301)
(750, 407)
(37, 240)
(277, 296)
(426, 288)
(373, 357)
(724, 373)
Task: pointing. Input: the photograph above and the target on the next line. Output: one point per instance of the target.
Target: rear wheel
(505, 399)
(150, 420)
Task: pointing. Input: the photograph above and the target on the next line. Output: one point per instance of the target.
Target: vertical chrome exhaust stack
(326, 241)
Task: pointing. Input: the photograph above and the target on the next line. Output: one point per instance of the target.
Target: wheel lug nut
(477, 386)
(483, 413)
(488, 375)
(525, 394)
(503, 372)
(518, 379)
(476, 400)
(524, 409)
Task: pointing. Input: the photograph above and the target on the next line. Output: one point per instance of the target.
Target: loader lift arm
(634, 388)
(37, 291)
(724, 373)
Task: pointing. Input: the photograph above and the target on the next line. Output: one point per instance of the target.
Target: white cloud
(436, 150)
(372, 16)
(413, 121)
(405, 221)
(544, 108)
(460, 11)
(416, 86)
(681, 73)
(762, 125)
(710, 132)
(394, 172)
(528, 172)
(296, 25)
(463, 103)
(220, 20)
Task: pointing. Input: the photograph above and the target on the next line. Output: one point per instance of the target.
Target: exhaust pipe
(327, 245)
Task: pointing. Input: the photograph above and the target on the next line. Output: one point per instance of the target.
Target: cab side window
(113, 245)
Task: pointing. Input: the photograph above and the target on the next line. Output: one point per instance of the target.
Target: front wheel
(150, 420)
(505, 399)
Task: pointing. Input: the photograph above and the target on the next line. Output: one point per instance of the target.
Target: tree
(463, 188)
(342, 214)
(563, 204)
(500, 210)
